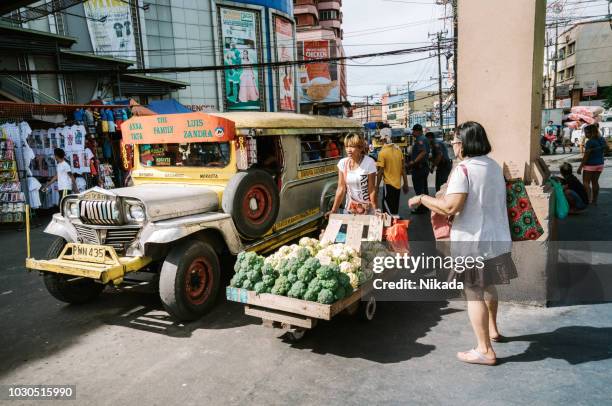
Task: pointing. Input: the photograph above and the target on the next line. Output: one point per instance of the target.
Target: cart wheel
(295, 335)
(367, 309)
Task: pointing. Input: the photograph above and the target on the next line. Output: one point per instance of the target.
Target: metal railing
(25, 91)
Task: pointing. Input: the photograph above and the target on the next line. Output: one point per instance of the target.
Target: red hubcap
(198, 281)
(257, 204)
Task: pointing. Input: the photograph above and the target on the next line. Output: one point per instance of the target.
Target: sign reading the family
(177, 129)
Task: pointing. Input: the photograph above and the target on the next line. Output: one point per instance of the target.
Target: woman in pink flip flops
(476, 197)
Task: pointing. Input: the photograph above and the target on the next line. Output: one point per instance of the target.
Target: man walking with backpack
(441, 161)
(391, 168)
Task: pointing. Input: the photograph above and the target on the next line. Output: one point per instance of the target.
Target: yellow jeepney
(206, 186)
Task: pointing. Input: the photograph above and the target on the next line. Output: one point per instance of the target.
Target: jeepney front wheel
(68, 288)
(189, 280)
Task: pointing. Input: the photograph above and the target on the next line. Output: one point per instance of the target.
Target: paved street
(123, 349)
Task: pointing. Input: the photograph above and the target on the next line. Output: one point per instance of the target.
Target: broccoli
(253, 275)
(302, 255)
(247, 284)
(281, 286)
(234, 281)
(293, 265)
(292, 277)
(268, 280)
(334, 268)
(315, 285)
(309, 270)
(260, 287)
(298, 289)
(362, 277)
(311, 295)
(238, 279)
(267, 269)
(283, 269)
(324, 272)
(237, 267)
(240, 257)
(339, 294)
(325, 296)
(331, 284)
(344, 280)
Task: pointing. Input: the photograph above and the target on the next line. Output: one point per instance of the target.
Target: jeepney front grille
(118, 238)
(87, 235)
(99, 212)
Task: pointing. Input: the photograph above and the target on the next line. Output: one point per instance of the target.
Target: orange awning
(177, 129)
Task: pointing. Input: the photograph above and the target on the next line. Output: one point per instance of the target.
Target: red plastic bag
(397, 236)
(441, 226)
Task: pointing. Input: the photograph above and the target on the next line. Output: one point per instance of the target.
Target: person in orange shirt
(391, 168)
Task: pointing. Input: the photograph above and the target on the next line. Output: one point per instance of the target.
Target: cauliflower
(298, 289)
(326, 296)
(354, 280)
(346, 267)
(356, 263)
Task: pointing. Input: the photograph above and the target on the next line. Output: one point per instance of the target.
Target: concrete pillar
(500, 70)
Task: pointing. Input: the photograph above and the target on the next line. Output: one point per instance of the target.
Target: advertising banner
(285, 43)
(110, 28)
(590, 88)
(318, 81)
(177, 129)
(239, 36)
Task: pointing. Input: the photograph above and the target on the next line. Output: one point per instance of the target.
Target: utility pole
(554, 100)
(407, 105)
(438, 37)
(367, 109)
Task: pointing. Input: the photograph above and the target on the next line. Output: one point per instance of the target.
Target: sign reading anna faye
(177, 129)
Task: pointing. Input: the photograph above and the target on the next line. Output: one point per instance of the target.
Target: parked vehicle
(206, 186)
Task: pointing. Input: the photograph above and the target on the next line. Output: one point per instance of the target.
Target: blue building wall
(286, 6)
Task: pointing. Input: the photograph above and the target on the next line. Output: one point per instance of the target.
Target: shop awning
(136, 84)
(25, 111)
(70, 60)
(168, 106)
(23, 40)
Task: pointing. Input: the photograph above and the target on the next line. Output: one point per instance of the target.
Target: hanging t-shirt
(68, 134)
(79, 137)
(59, 134)
(86, 157)
(33, 189)
(44, 135)
(357, 179)
(52, 139)
(25, 131)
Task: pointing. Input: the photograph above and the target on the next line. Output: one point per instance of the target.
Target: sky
(384, 25)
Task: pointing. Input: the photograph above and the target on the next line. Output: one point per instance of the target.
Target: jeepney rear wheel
(253, 201)
(189, 280)
(68, 288)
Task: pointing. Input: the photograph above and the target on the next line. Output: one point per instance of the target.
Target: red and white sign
(589, 88)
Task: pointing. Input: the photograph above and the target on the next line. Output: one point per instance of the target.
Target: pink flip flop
(480, 359)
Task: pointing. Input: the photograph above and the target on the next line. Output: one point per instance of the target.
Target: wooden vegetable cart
(295, 316)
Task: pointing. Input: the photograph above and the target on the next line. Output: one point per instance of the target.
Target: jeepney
(206, 186)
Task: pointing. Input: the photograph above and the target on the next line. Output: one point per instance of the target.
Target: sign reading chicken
(318, 81)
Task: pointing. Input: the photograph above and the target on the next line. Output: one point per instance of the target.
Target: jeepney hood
(165, 201)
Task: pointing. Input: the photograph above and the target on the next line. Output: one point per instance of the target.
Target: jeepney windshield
(195, 154)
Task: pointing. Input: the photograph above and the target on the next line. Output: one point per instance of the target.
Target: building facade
(188, 35)
(322, 86)
(583, 64)
(367, 113)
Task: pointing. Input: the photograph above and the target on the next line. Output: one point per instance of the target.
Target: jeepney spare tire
(68, 288)
(251, 198)
(189, 280)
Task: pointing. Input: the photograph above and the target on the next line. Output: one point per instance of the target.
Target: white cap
(385, 135)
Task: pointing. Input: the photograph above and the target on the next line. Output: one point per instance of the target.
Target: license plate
(89, 253)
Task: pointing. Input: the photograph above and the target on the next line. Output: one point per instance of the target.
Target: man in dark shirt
(441, 161)
(418, 164)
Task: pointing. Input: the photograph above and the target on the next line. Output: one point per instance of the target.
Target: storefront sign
(318, 81)
(590, 88)
(563, 91)
(564, 104)
(285, 44)
(240, 39)
(110, 28)
(201, 107)
(177, 128)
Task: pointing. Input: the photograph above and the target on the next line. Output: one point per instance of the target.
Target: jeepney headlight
(136, 213)
(71, 209)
